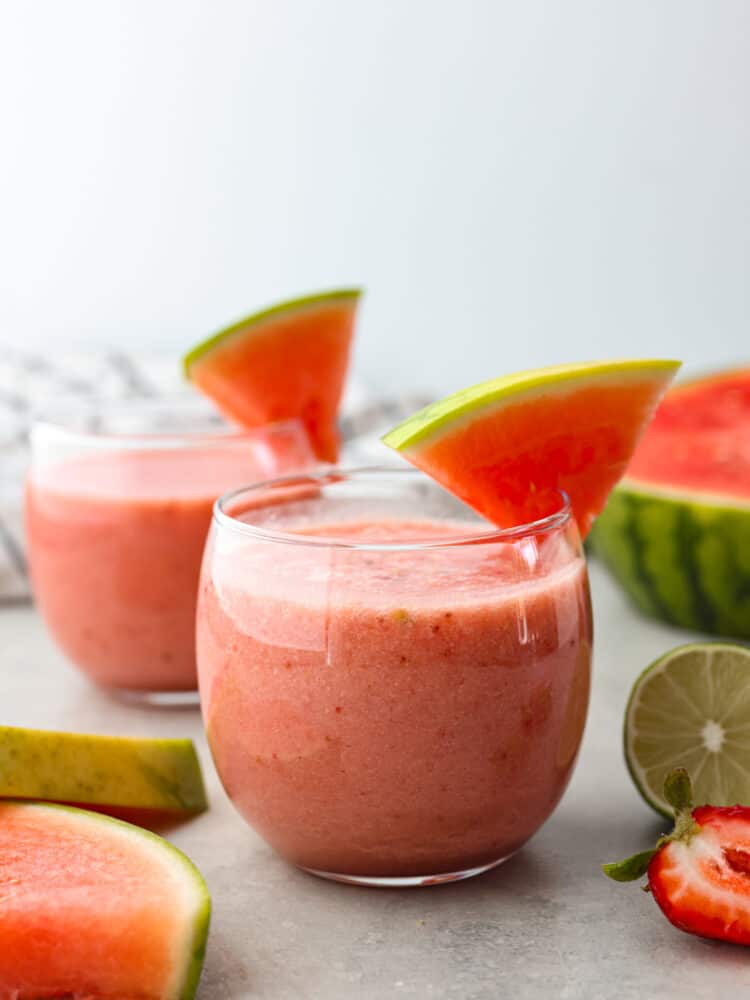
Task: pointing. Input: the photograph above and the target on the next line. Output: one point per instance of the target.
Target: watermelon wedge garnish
(93, 907)
(506, 447)
(287, 361)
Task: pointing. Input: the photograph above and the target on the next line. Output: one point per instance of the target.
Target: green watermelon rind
(660, 806)
(430, 422)
(682, 557)
(197, 948)
(258, 319)
(95, 770)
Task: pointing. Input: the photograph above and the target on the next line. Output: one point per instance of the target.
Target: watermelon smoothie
(394, 690)
(116, 526)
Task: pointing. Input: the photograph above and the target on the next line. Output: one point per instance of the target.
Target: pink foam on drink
(115, 542)
(394, 713)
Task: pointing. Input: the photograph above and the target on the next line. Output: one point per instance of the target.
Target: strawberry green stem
(678, 792)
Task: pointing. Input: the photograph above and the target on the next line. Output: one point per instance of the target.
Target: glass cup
(394, 690)
(118, 505)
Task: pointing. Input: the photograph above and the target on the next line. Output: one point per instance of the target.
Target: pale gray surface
(545, 925)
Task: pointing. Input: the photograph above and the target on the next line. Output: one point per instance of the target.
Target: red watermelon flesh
(288, 361)
(699, 440)
(508, 446)
(95, 908)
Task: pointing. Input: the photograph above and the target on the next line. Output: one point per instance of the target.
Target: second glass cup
(118, 505)
(394, 691)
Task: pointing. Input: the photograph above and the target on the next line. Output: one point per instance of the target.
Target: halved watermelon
(506, 446)
(676, 531)
(133, 778)
(287, 361)
(95, 908)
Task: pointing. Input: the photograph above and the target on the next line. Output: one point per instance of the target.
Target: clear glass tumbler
(394, 690)
(118, 505)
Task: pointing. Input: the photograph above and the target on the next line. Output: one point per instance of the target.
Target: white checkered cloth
(30, 383)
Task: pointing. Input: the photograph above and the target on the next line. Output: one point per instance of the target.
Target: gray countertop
(546, 924)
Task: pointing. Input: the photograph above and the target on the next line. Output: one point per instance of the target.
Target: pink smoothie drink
(115, 542)
(383, 701)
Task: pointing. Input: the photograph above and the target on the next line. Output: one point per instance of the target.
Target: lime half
(691, 709)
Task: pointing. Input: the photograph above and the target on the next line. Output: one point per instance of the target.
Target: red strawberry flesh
(702, 883)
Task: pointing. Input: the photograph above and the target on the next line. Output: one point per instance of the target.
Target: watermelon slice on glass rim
(507, 447)
(288, 361)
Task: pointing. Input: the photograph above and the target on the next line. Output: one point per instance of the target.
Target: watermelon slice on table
(288, 361)
(676, 531)
(96, 908)
(506, 447)
(147, 781)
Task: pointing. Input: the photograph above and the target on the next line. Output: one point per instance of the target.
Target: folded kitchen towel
(30, 383)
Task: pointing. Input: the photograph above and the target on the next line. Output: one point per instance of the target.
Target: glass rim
(76, 403)
(562, 515)
(57, 421)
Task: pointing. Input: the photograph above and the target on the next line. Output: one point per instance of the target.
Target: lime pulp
(691, 709)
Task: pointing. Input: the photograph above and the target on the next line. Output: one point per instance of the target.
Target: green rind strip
(626, 549)
(188, 985)
(687, 539)
(561, 379)
(115, 771)
(199, 940)
(685, 561)
(257, 319)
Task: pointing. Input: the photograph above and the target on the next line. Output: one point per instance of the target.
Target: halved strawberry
(700, 873)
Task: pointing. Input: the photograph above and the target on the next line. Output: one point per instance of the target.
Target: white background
(515, 183)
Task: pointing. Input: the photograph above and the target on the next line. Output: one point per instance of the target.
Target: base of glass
(405, 881)
(156, 699)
